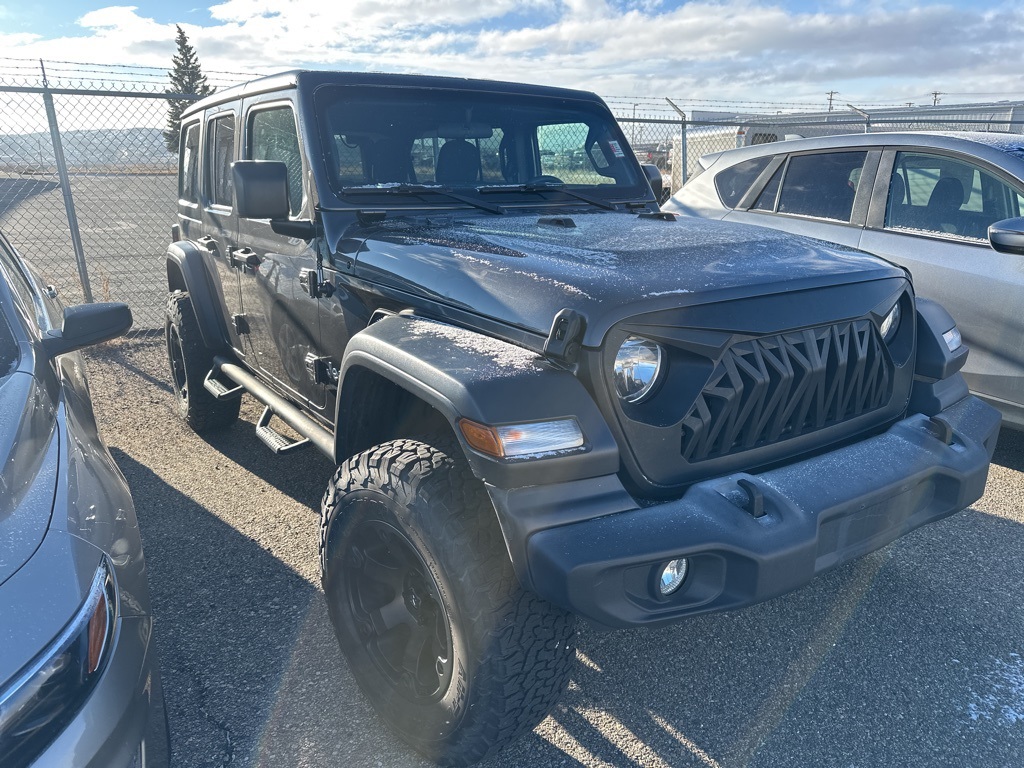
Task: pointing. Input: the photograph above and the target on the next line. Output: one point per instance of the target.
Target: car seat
(457, 161)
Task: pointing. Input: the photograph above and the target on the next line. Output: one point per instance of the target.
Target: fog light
(673, 575)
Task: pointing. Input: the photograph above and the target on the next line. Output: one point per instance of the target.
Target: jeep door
(283, 319)
(930, 212)
(217, 226)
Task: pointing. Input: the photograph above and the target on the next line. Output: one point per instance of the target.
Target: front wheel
(190, 361)
(448, 647)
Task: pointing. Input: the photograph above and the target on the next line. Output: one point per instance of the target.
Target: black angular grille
(774, 388)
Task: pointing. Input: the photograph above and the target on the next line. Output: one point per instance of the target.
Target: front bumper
(817, 514)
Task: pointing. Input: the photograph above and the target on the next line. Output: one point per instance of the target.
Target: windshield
(395, 137)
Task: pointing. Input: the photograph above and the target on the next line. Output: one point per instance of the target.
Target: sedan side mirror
(88, 324)
(1007, 236)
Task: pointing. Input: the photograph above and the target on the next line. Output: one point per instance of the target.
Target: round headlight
(637, 365)
(891, 323)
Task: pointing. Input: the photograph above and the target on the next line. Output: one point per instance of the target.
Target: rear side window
(822, 185)
(733, 183)
(273, 136)
(188, 165)
(221, 141)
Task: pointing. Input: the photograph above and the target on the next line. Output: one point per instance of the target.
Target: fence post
(65, 187)
(682, 151)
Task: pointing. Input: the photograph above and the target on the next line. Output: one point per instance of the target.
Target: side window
(220, 154)
(770, 194)
(732, 183)
(188, 165)
(822, 185)
(273, 136)
(941, 195)
(31, 309)
(563, 153)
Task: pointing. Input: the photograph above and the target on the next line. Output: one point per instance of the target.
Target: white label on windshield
(616, 149)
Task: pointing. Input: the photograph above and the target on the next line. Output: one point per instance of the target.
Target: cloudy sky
(871, 52)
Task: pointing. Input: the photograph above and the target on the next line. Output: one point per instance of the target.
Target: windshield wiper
(419, 190)
(547, 186)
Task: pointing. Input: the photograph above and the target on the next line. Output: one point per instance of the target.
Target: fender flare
(463, 374)
(187, 258)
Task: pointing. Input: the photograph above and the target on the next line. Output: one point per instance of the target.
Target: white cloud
(732, 49)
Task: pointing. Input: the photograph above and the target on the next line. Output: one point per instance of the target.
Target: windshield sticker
(616, 149)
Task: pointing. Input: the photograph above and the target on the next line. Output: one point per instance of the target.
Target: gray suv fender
(462, 374)
(186, 271)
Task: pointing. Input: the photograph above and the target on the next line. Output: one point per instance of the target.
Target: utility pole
(935, 98)
(831, 95)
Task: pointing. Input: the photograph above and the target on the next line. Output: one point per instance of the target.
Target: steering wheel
(545, 180)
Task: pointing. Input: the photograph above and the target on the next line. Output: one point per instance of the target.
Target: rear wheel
(448, 647)
(190, 361)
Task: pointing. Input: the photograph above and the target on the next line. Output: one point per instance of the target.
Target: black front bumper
(817, 514)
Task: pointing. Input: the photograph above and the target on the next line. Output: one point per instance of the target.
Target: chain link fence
(88, 186)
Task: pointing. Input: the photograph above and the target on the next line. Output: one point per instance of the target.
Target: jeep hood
(523, 269)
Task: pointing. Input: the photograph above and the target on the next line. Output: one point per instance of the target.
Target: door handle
(245, 257)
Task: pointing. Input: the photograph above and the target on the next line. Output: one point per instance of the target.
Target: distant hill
(88, 150)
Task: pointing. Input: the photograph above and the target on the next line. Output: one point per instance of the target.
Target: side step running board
(219, 389)
(318, 436)
(273, 439)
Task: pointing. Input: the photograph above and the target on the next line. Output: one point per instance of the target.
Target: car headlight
(890, 324)
(636, 368)
(47, 694)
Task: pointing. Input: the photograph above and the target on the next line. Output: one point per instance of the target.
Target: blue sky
(869, 51)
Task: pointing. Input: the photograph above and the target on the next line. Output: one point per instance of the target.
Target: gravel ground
(912, 656)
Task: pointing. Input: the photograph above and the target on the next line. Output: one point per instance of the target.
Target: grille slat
(774, 388)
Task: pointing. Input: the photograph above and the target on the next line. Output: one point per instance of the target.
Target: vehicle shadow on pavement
(1010, 449)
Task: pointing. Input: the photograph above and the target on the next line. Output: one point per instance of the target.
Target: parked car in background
(79, 684)
(945, 205)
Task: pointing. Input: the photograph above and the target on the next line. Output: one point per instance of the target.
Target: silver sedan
(79, 682)
(945, 205)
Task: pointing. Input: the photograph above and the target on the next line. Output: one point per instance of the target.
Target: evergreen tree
(186, 77)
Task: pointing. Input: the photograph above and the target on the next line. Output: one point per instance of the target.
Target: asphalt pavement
(912, 656)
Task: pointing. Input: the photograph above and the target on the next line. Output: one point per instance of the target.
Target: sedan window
(937, 194)
(733, 183)
(822, 185)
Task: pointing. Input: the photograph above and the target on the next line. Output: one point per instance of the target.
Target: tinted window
(733, 183)
(822, 185)
(275, 137)
(221, 141)
(21, 287)
(942, 195)
(9, 354)
(766, 200)
(188, 168)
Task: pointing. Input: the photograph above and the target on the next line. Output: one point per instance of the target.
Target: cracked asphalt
(912, 656)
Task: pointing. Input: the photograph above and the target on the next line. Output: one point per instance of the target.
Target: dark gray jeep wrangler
(545, 397)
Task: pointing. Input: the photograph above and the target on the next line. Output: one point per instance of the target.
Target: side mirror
(261, 192)
(1007, 236)
(657, 185)
(261, 189)
(88, 324)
